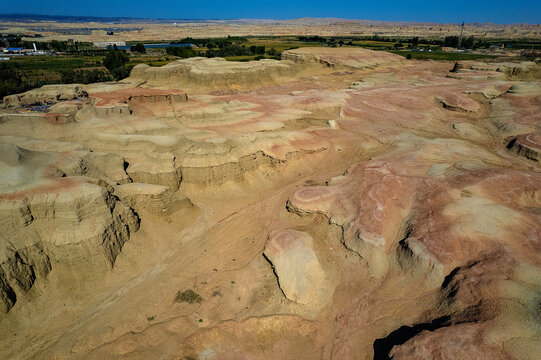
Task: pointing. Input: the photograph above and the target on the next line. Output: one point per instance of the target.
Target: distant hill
(83, 19)
(28, 18)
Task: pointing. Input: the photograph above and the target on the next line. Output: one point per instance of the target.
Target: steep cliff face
(47, 93)
(528, 145)
(19, 270)
(155, 199)
(51, 220)
(78, 226)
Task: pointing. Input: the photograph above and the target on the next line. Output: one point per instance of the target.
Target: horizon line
(253, 19)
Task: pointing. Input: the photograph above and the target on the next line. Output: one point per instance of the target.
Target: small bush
(188, 296)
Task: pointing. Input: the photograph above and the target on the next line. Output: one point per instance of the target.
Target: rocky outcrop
(528, 145)
(38, 118)
(105, 111)
(221, 173)
(151, 98)
(108, 167)
(155, 168)
(19, 270)
(472, 70)
(299, 273)
(214, 71)
(74, 225)
(121, 103)
(47, 93)
(48, 221)
(457, 102)
(155, 199)
(369, 225)
(139, 96)
(355, 58)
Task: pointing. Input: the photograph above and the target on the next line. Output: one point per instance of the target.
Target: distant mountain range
(128, 20)
(77, 19)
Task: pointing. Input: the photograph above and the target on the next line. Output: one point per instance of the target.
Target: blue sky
(496, 11)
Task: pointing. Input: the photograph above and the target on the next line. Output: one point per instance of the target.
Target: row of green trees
(56, 45)
(182, 51)
(140, 48)
(467, 42)
(212, 43)
(84, 76)
(314, 38)
(449, 41)
(115, 61)
(12, 80)
(229, 50)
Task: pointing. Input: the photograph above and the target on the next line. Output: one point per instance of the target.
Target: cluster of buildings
(14, 51)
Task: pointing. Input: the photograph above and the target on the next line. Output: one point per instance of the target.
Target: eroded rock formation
(337, 204)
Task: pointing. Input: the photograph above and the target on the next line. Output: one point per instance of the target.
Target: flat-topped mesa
(217, 163)
(355, 58)
(211, 72)
(46, 93)
(156, 199)
(527, 145)
(123, 102)
(138, 96)
(475, 70)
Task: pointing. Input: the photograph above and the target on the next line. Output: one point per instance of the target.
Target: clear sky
(496, 11)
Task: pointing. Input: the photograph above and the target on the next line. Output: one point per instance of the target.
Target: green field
(51, 62)
(280, 43)
(23, 73)
(518, 44)
(249, 58)
(443, 56)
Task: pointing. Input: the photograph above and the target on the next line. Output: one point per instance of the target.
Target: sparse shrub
(188, 296)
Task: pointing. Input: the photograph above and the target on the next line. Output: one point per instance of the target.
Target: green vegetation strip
(433, 55)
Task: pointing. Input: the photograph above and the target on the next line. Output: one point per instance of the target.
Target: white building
(104, 44)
